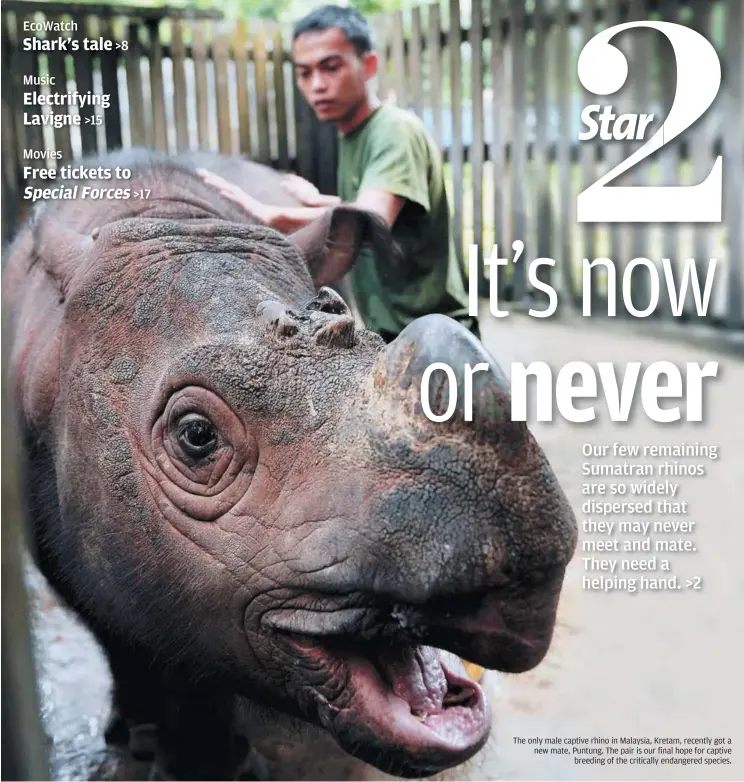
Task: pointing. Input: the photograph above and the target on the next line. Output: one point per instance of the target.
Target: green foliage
(286, 11)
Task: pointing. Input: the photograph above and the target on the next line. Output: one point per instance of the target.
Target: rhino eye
(197, 436)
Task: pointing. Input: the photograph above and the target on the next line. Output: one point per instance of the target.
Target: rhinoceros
(237, 489)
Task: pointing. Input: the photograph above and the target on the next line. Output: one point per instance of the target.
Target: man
(388, 164)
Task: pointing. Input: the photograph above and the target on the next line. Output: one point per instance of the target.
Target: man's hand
(306, 192)
(283, 219)
(254, 208)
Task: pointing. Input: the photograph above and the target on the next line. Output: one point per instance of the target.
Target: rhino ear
(331, 243)
(57, 248)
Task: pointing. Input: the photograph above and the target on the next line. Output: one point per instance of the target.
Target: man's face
(331, 75)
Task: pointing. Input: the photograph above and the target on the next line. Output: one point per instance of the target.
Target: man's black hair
(347, 19)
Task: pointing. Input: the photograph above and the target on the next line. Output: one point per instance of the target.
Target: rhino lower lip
(411, 707)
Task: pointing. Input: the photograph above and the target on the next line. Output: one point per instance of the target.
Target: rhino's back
(57, 232)
(166, 186)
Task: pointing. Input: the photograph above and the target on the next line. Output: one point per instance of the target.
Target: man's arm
(382, 202)
(288, 219)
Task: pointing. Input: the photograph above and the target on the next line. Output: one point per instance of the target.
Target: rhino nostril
(278, 319)
(327, 300)
(339, 332)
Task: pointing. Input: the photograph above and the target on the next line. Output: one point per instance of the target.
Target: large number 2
(603, 70)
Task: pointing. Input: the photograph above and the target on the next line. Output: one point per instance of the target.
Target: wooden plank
(701, 161)
(56, 63)
(222, 90)
(180, 91)
(280, 100)
(540, 163)
(587, 156)
(565, 74)
(399, 61)
(27, 136)
(477, 150)
(12, 155)
(667, 158)
(519, 155)
(157, 93)
(325, 140)
(733, 159)
(202, 87)
(240, 56)
(637, 75)
(110, 83)
(497, 143)
(457, 152)
(83, 70)
(435, 70)
(135, 93)
(380, 25)
(262, 103)
(615, 153)
(415, 60)
(304, 126)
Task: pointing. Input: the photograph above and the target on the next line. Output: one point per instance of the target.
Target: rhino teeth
(419, 715)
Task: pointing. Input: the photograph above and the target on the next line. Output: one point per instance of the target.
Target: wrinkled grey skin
(238, 491)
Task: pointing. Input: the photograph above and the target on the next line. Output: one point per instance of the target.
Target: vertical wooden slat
(56, 61)
(518, 153)
(27, 136)
(477, 148)
(135, 94)
(110, 84)
(456, 148)
(668, 157)
(326, 145)
(240, 55)
(304, 122)
(221, 88)
(262, 103)
(279, 100)
(498, 96)
(642, 42)
(733, 161)
(614, 154)
(541, 165)
(180, 92)
(399, 60)
(415, 61)
(12, 155)
(157, 93)
(199, 49)
(587, 155)
(434, 39)
(565, 70)
(701, 161)
(380, 25)
(83, 66)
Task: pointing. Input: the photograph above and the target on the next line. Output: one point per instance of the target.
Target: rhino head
(249, 488)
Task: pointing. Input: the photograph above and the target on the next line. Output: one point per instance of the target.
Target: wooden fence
(495, 81)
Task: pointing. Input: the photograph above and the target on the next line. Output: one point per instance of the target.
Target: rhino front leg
(186, 731)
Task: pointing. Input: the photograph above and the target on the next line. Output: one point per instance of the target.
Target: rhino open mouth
(409, 709)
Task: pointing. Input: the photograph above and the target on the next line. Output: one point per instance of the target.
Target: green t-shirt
(393, 151)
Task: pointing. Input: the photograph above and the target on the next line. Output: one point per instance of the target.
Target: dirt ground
(644, 664)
